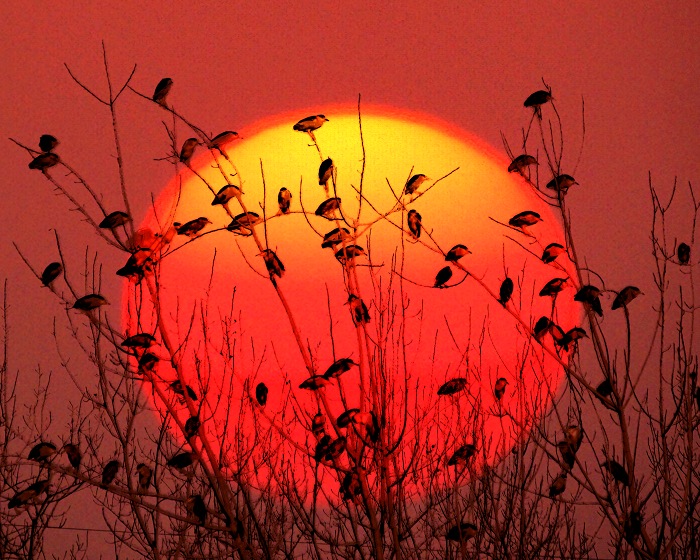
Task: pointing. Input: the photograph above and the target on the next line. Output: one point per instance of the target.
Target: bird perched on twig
(349, 252)
(314, 383)
(139, 340)
(192, 228)
(187, 150)
(683, 253)
(272, 263)
(109, 473)
(414, 182)
(145, 474)
(195, 506)
(568, 455)
(553, 287)
(336, 237)
(90, 302)
(327, 208)
(521, 162)
(42, 452)
(318, 424)
(618, 472)
(625, 297)
(358, 310)
(339, 367)
(551, 252)
(261, 392)
(30, 494)
(162, 90)
(43, 161)
(457, 252)
(309, 124)
(183, 460)
(192, 427)
(442, 277)
(343, 421)
(462, 455)
(452, 386)
(223, 138)
(176, 387)
(115, 220)
(525, 219)
(51, 272)
(541, 327)
(462, 532)
(325, 172)
(505, 292)
(499, 389)
(74, 456)
(413, 220)
(590, 295)
(537, 99)
(561, 183)
(558, 485)
(47, 142)
(284, 200)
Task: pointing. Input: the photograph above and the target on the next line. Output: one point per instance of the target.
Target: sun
(234, 328)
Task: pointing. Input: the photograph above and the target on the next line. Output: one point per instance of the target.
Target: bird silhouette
(452, 386)
(273, 263)
(590, 295)
(505, 292)
(349, 252)
(147, 363)
(499, 388)
(325, 171)
(139, 340)
(568, 455)
(314, 383)
(145, 474)
(309, 124)
(176, 387)
(537, 99)
(115, 220)
(457, 252)
(414, 182)
(192, 427)
(462, 455)
(626, 296)
(30, 494)
(551, 252)
(339, 367)
(261, 391)
(318, 424)
(351, 488)
(525, 219)
(42, 452)
(558, 485)
(461, 533)
(109, 473)
(183, 460)
(187, 150)
(328, 207)
(574, 435)
(47, 142)
(618, 472)
(51, 272)
(195, 506)
(442, 277)
(520, 163)
(284, 200)
(683, 253)
(541, 327)
(413, 220)
(192, 228)
(90, 302)
(358, 310)
(343, 421)
(43, 161)
(553, 287)
(335, 237)
(561, 183)
(223, 138)
(74, 456)
(162, 90)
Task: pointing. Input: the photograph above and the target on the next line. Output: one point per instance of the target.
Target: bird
(443, 275)
(133, 271)
(223, 138)
(314, 383)
(457, 252)
(145, 474)
(73, 453)
(574, 435)
(51, 272)
(568, 455)
(272, 263)
(335, 237)
(195, 505)
(148, 362)
(617, 471)
(109, 473)
(351, 487)
(162, 90)
(114, 220)
(633, 526)
(41, 452)
(309, 124)
(683, 253)
(192, 427)
(284, 200)
(541, 327)
(605, 388)
(462, 455)
(176, 387)
(318, 424)
(414, 182)
(358, 310)
(499, 388)
(339, 367)
(139, 340)
(572, 335)
(505, 292)
(325, 171)
(327, 208)
(461, 533)
(551, 252)
(261, 391)
(225, 194)
(561, 183)
(47, 142)
(343, 421)
(521, 162)
(43, 161)
(90, 302)
(30, 494)
(183, 460)
(192, 228)
(349, 252)
(604, 393)
(537, 99)
(553, 287)
(524, 219)
(187, 150)
(367, 425)
(452, 386)
(590, 295)
(558, 335)
(558, 485)
(335, 448)
(413, 221)
(246, 219)
(625, 296)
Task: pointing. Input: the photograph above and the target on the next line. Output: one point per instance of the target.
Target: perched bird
(327, 208)
(462, 455)
(145, 475)
(73, 453)
(41, 452)
(537, 99)
(506, 291)
(246, 219)
(196, 507)
(30, 494)
(223, 138)
(336, 237)
(683, 253)
(499, 388)
(47, 142)
(351, 487)
(176, 387)
(261, 391)
(192, 228)
(413, 220)
(325, 171)
(309, 124)
(558, 485)
(90, 302)
(187, 150)
(541, 327)
(284, 200)
(358, 310)
(349, 252)
(414, 182)
(697, 396)
(139, 340)
(346, 417)
(367, 425)
(114, 220)
(441, 278)
(568, 455)
(521, 162)
(551, 252)
(148, 362)
(272, 263)
(461, 533)
(43, 161)
(558, 335)
(51, 272)
(452, 386)
(553, 287)
(574, 435)
(109, 473)
(331, 450)
(182, 460)
(633, 526)
(590, 295)
(134, 271)
(192, 427)
(524, 219)
(162, 90)
(457, 252)
(314, 383)
(339, 367)
(225, 194)
(625, 296)
(617, 471)
(318, 424)
(572, 335)
(605, 389)
(561, 183)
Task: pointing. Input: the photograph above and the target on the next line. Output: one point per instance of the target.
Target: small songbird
(246, 219)
(551, 252)
(115, 220)
(343, 421)
(325, 171)
(506, 291)
(413, 220)
(590, 295)
(625, 296)
(541, 327)
(192, 228)
(183, 460)
(351, 487)
(499, 388)
(30, 494)
(51, 272)
(188, 147)
(43, 161)
(457, 252)
(525, 219)
(568, 455)
(318, 424)
(335, 237)
(90, 302)
(683, 253)
(176, 387)
(605, 388)
(414, 182)
(162, 90)
(335, 448)
(574, 435)
(309, 124)
(261, 391)
(349, 252)
(139, 340)
(109, 473)
(145, 475)
(572, 335)
(41, 452)
(558, 485)
(192, 427)
(148, 363)
(223, 138)
(358, 310)
(284, 200)
(561, 183)
(328, 207)
(195, 506)
(339, 367)
(633, 526)
(73, 453)
(452, 386)
(443, 275)
(521, 162)
(462, 455)
(47, 142)
(272, 263)
(314, 383)
(461, 533)
(553, 287)
(618, 472)
(537, 99)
